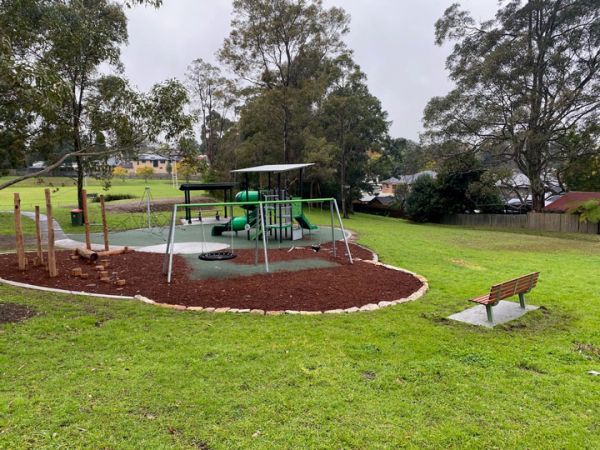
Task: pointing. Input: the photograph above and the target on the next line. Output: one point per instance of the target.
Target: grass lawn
(64, 198)
(118, 374)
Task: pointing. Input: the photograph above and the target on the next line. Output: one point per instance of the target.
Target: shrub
(120, 172)
(144, 172)
(423, 204)
(588, 211)
(113, 197)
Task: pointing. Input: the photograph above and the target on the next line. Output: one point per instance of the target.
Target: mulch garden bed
(342, 286)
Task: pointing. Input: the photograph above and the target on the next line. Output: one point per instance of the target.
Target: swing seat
(222, 255)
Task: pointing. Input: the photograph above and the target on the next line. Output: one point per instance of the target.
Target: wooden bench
(518, 286)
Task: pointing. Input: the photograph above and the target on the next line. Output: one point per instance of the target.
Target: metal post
(166, 258)
(171, 244)
(522, 300)
(148, 207)
(488, 310)
(264, 234)
(332, 229)
(337, 210)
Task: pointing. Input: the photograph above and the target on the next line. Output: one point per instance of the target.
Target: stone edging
(365, 308)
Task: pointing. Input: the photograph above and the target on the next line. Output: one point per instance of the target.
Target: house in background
(388, 187)
(570, 201)
(158, 163)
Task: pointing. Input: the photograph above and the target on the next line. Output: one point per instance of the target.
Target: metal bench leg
(488, 310)
(522, 300)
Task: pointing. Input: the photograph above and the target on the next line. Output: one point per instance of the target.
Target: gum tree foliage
(524, 80)
(214, 97)
(277, 48)
(59, 106)
(352, 120)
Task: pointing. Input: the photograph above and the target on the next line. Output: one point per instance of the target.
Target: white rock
(351, 310)
(257, 311)
(221, 310)
(233, 310)
(335, 311)
(245, 310)
(594, 373)
(310, 313)
(290, 311)
(209, 309)
(383, 304)
(195, 308)
(369, 307)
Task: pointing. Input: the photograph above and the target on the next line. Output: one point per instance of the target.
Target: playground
(257, 251)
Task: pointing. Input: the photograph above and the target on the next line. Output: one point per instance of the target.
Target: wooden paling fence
(564, 223)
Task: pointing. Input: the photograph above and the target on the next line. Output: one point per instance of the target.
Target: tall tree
(68, 110)
(523, 81)
(279, 46)
(352, 119)
(215, 98)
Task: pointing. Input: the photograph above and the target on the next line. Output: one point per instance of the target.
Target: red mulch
(342, 286)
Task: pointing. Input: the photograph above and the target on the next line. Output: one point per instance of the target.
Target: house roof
(571, 200)
(273, 168)
(385, 200)
(409, 179)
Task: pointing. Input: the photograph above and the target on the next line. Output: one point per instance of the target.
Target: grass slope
(118, 374)
(64, 198)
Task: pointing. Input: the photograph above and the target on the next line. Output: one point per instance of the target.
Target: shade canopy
(206, 186)
(273, 168)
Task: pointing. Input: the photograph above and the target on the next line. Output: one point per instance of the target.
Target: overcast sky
(392, 41)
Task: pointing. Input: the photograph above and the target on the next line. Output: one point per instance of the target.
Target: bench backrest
(520, 285)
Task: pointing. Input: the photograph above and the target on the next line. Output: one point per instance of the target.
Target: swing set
(258, 229)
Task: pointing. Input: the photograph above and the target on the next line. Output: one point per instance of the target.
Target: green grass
(7, 224)
(119, 374)
(64, 198)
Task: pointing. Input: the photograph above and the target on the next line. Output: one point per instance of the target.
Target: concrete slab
(503, 312)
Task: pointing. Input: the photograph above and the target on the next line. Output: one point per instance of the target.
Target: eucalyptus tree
(215, 99)
(277, 48)
(351, 119)
(523, 81)
(51, 86)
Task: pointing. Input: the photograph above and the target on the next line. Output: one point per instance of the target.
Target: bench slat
(509, 288)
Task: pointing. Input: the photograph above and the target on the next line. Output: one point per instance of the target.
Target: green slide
(304, 222)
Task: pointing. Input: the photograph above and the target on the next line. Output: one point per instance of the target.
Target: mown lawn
(64, 198)
(118, 374)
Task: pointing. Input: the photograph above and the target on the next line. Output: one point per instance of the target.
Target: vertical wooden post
(38, 237)
(19, 234)
(52, 270)
(104, 225)
(86, 222)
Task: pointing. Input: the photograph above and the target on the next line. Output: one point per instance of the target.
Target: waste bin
(76, 217)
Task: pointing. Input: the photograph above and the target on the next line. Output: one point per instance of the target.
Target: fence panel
(565, 223)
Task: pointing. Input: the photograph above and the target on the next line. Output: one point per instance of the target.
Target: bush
(423, 203)
(113, 197)
(120, 172)
(144, 172)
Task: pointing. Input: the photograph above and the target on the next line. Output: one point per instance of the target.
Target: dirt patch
(163, 204)
(13, 312)
(342, 286)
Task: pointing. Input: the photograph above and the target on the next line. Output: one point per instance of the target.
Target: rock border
(364, 308)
